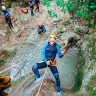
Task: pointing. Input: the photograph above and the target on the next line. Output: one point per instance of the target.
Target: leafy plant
(2, 62)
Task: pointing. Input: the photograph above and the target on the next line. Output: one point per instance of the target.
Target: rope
(42, 81)
(17, 64)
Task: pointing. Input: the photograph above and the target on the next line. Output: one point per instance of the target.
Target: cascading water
(67, 68)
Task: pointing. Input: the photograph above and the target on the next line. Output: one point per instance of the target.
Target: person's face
(52, 40)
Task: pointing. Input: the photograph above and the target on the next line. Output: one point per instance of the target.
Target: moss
(92, 93)
(90, 86)
(67, 21)
(16, 81)
(78, 82)
(2, 62)
(6, 53)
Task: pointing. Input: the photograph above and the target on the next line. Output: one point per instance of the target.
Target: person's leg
(37, 6)
(31, 8)
(37, 66)
(54, 70)
(7, 20)
(10, 23)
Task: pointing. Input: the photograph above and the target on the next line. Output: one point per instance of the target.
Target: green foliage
(78, 82)
(6, 53)
(85, 9)
(2, 62)
(51, 13)
(8, 3)
(46, 3)
(90, 86)
(92, 93)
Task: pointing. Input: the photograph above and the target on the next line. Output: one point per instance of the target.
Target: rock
(63, 29)
(55, 19)
(3, 32)
(67, 35)
(85, 45)
(15, 30)
(55, 30)
(67, 21)
(81, 29)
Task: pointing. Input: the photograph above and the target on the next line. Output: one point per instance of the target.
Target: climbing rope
(17, 64)
(42, 81)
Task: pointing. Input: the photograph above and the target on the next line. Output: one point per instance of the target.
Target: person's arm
(9, 14)
(30, 4)
(39, 29)
(3, 15)
(44, 28)
(60, 54)
(43, 52)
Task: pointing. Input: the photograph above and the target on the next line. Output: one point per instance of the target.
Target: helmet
(53, 35)
(3, 8)
(39, 24)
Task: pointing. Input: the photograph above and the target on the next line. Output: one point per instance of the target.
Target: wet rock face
(48, 88)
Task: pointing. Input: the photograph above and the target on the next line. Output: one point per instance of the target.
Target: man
(41, 28)
(5, 83)
(31, 4)
(37, 2)
(49, 53)
(6, 15)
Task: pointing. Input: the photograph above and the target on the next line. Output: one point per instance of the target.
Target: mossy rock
(91, 83)
(92, 93)
(78, 82)
(2, 62)
(67, 21)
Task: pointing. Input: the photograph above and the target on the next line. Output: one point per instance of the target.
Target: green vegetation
(6, 53)
(2, 62)
(91, 86)
(16, 81)
(78, 82)
(85, 9)
(8, 3)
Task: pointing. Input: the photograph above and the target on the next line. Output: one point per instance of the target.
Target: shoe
(60, 93)
(38, 80)
(11, 28)
(8, 90)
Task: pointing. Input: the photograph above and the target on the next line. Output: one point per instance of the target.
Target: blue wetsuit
(41, 29)
(49, 53)
(6, 14)
(31, 4)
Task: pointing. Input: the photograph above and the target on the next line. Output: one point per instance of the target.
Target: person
(31, 4)
(49, 53)
(5, 83)
(6, 15)
(41, 28)
(37, 2)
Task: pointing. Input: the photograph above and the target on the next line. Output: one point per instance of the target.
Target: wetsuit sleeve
(30, 4)
(38, 29)
(43, 53)
(9, 14)
(3, 14)
(44, 28)
(60, 55)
